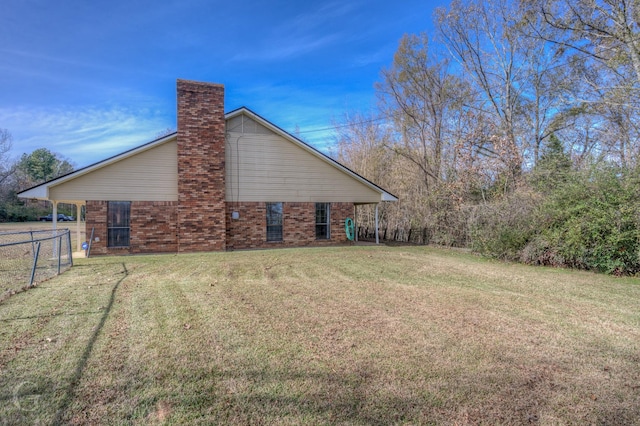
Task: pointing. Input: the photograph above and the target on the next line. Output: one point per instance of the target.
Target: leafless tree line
(466, 113)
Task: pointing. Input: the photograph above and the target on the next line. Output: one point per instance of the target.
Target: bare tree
(604, 30)
(360, 145)
(599, 41)
(422, 98)
(479, 36)
(7, 167)
(520, 83)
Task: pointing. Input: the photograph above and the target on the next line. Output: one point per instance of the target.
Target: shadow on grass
(357, 396)
(264, 396)
(82, 362)
(66, 314)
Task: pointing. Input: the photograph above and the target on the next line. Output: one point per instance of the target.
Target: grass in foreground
(358, 335)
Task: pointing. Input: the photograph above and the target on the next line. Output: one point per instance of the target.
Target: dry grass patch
(354, 335)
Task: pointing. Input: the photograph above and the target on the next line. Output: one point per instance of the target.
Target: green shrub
(10, 212)
(590, 222)
(540, 251)
(588, 219)
(503, 228)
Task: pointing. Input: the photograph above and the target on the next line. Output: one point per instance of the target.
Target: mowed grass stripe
(43, 341)
(353, 335)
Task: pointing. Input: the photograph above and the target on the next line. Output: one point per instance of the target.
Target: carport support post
(377, 239)
(78, 236)
(54, 216)
(54, 219)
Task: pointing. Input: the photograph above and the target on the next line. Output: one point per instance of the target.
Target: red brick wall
(250, 230)
(153, 227)
(96, 219)
(201, 187)
(339, 212)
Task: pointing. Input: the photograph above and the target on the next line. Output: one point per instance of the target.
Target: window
(118, 215)
(274, 221)
(323, 221)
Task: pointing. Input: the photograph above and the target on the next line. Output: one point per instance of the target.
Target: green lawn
(351, 335)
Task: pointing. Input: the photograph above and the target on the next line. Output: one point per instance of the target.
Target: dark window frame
(274, 219)
(118, 224)
(323, 221)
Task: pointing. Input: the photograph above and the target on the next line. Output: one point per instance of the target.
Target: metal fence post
(69, 246)
(35, 263)
(59, 252)
(90, 242)
(54, 243)
(33, 248)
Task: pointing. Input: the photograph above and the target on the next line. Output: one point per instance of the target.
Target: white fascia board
(388, 197)
(384, 195)
(40, 192)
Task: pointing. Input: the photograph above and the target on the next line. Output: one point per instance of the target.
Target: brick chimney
(201, 187)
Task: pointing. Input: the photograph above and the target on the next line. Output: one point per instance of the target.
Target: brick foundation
(298, 227)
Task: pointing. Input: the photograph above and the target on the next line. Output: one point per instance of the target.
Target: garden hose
(349, 228)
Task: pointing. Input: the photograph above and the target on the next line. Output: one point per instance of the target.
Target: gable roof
(385, 196)
(41, 191)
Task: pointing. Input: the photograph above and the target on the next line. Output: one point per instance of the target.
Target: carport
(41, 193)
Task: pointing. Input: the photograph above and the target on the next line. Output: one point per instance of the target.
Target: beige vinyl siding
(267, 167)
(151, 175)
(244, 124)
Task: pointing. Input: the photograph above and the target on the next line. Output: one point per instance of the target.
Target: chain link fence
(29, 257)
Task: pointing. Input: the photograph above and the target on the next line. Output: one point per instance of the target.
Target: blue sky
(90, 79)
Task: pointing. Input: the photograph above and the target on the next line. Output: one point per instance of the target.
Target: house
(221, 182)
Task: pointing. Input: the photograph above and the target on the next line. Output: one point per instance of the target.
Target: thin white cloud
(45, 58)
(373, 57)
(311, 20)
(302, 34)
(287, 49)
(82, 135)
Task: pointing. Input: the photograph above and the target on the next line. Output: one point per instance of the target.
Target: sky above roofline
(89, 80)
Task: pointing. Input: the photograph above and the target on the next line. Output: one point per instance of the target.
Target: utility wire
(342, 125)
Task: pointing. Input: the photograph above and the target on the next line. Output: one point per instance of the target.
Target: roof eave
(40, 192)
(388, 197)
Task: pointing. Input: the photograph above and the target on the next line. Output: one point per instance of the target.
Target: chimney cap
(192, 84)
